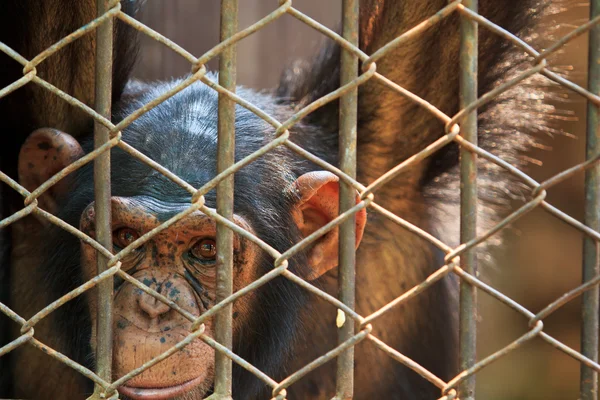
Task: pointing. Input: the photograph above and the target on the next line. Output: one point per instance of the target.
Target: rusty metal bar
(347, 154)
(468, 198)
(103, 93)
(225, 159)
(591, 264)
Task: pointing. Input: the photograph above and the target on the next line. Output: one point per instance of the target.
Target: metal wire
(460, 128)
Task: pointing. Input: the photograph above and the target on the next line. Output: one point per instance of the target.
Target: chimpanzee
(280, 197)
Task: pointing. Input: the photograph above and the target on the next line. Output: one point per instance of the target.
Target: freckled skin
(161, 264)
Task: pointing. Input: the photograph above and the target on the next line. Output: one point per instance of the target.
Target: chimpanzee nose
(151, 306)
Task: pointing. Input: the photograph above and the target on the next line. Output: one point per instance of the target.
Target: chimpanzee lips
(140, 393)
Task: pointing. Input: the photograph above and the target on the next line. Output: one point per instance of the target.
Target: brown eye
(205, 250)
(124, 237)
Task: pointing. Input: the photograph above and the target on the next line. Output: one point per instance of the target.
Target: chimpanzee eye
(204, 250)
(124, 237)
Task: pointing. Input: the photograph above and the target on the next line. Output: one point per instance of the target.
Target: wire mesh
(460, 128)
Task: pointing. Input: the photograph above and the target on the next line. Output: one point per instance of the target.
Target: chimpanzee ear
(45, 152)
(319, 204)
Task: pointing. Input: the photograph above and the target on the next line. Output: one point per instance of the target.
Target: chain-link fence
(460, 129)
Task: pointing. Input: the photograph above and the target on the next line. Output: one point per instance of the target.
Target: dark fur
(181, 135)
(4, 297)
(29, 27)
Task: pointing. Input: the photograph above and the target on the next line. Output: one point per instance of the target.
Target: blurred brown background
(542, 257)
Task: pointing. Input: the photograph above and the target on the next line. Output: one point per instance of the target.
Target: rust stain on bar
(468, 200)
(225, 159)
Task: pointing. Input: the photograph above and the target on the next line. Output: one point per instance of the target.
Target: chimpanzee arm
(392, 128)
(427, 65)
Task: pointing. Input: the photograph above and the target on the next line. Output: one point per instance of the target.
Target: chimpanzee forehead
(162, 210)
(146, 213)
(131, 177)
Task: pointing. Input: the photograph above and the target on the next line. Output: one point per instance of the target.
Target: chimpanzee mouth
(138, 393)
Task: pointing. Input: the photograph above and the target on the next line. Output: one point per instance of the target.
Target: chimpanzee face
(179, 263)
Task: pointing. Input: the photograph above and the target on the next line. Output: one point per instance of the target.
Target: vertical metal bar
(103, 93)
(347, 154)
(468, 198)
(226, 158)
(591, 264)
